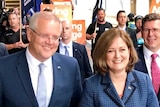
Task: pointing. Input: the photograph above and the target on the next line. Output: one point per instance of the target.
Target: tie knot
(66, 46)
(154, 56)
(41, 67)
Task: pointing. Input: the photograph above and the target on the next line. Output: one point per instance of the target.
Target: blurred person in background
(130, 23)
(122, 20)
(96, 28)
(11, 37)
(138, 23)
(74, 49)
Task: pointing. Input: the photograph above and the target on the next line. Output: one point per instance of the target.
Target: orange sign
(155, 6)
(79, 33)
(47, 6)
(62, 11)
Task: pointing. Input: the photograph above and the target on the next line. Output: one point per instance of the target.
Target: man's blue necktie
(66, 51)
(41, 87)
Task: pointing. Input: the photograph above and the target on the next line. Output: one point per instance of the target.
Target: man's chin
(101, 20)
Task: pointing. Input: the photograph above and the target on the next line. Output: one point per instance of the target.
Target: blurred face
(122, 19)
(44, 40)
(101, 16)
(13, 20)
(151, 35)
(16, 10)
(139, 24)
(117, 56)
(66, 30)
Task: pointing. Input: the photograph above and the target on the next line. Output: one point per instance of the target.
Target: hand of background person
(93, 35)
(22, 45)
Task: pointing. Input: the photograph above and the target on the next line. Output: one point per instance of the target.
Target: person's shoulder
(78, 45)
(8, 30)
(131, 30)
(60, 57)
(95, 78)
(12, 58)
(108, 23)
(140, 50)
(140, 75)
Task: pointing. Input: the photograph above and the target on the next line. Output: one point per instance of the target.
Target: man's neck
(101, 22)
(66, 41)
(15, 29)
(121, 25)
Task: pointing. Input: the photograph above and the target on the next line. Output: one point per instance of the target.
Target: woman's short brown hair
(103, 44)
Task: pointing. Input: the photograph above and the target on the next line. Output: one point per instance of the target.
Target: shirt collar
(69, 45)
(148, 53)
(32, 60)
(122, 28)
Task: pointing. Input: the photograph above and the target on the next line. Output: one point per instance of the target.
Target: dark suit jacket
(16, 88)
(99, 91)
(132, 34)
(141, 65)
(80, 53)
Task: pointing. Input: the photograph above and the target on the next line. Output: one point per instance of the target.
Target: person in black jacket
(122, 20)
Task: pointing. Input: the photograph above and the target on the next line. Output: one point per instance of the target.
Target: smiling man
(151, 36)
(59, 80)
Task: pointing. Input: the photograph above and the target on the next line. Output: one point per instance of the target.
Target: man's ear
(29, 33)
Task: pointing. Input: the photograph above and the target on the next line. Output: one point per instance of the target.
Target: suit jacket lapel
(57, 79)
(76, 52)
(110, 90)
(142, 64)
(112, 93)
(23, 72)
(130, 87)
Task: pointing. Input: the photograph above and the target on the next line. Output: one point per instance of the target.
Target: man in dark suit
(75, 49)
(20, 76)
(122, 20)
(151, 36)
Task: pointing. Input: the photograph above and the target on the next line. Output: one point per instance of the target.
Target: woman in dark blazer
(116, 84)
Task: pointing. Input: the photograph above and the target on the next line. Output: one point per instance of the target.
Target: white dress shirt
(69, 48)
(148, 59)
(122, 28)
(34, 71)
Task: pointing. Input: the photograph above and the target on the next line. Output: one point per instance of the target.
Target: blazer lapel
(110, 90)
(57, 79)
(23, 72)
(112, 93)
(130, 87)
(76, 52)
(141, 65)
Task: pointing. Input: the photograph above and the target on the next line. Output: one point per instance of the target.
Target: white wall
(142, 7)
(83, 10)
